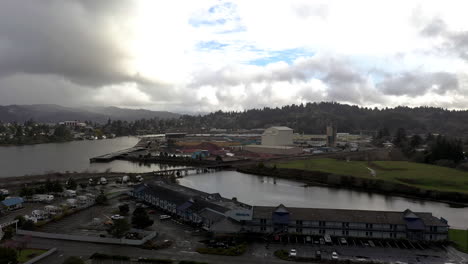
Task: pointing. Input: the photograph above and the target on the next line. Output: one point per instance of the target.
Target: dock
(117, 154)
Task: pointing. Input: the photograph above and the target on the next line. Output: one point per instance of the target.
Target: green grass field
(415, 174)
(460, 237)
(25, 254)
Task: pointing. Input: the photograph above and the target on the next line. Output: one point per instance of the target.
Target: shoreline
(315, 178)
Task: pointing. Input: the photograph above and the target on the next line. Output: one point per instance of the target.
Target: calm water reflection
(257, 190)
(69, 156)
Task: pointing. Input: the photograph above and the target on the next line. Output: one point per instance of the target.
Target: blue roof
(12, 201)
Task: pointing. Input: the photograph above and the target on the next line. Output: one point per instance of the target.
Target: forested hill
(313, 118)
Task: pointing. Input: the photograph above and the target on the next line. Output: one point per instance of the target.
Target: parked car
(343, 241)
(117, 217)
(164, 217)
(293, 253)
(334, 255)
(322, 241)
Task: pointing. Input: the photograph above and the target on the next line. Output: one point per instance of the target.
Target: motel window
(345, 224)
(298, 230)
(321, 223)
(345, 232)
(322, 231)
(263, 228)
(298, 222)
(369, 226)
(263, 221)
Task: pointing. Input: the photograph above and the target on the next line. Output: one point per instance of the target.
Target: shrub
(155, 261)
(8, 255)
(105, 256)
(232, 251)
(282, 254)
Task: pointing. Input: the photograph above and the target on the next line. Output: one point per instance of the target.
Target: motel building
(348, 223)
(220, 215)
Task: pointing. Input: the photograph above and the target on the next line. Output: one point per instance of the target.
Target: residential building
(221, 215)
(348, 223)
(193, 206)
(12, 203)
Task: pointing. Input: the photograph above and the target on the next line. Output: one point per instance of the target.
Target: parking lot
(361, 249)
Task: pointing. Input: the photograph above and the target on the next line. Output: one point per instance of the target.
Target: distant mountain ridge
(51, 113)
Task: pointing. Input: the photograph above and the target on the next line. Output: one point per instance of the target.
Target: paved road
(84, 250)
(255, 254)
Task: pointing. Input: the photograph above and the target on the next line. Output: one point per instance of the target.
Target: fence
(92, 239)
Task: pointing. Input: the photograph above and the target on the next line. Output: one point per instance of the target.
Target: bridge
(185, 171)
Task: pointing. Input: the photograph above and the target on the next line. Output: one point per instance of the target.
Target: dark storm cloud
(72, 39)
(417, 83)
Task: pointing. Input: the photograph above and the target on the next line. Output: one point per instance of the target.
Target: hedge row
(232, 251)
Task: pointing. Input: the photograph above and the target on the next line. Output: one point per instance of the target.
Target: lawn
(28, 254)
(410, 173)
(460, 237)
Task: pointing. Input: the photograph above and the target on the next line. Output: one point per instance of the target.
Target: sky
(208, 55)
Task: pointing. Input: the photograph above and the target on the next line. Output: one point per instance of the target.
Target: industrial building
(221, 215)
(331, 136)
(276, 141)
(277, 136)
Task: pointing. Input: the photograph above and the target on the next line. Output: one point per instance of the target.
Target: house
(13, 203)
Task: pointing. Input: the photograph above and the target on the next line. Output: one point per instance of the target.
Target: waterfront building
(210, 211)
(348, 223)
(221, 215)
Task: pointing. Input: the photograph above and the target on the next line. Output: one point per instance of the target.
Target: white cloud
(216, 54)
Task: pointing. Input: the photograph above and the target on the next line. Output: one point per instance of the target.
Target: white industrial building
(277, 136)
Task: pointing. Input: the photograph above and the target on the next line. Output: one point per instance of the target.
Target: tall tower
(331, 135)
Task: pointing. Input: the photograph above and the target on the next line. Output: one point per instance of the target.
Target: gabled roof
(12, 201)
(346, 215)
(408, 214)
(281, 209)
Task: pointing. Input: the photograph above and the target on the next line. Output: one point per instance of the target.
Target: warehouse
(277, 136)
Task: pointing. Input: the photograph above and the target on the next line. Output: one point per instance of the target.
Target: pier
(115, 155)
